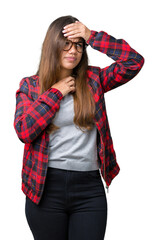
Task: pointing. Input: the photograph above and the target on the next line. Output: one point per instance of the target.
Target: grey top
(69, 147)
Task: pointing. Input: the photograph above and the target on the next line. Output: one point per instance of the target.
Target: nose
(73, 49)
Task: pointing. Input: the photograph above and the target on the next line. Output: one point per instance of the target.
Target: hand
(75, 30)
(65, 85)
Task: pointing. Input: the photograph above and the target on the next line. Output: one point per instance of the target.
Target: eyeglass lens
(79, 46)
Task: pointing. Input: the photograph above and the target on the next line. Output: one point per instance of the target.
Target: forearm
(128, 62)
(117, 49)
(32, 117)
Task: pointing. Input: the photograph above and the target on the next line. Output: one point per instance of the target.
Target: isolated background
(131, 108)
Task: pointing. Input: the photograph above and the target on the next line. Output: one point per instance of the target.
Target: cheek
(62, 58)
(79, 59)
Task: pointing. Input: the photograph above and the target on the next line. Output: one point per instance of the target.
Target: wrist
(88, 33)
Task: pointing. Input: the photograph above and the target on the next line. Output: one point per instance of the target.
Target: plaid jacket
(34, 112)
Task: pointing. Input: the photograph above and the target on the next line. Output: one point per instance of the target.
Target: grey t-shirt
(69, 147)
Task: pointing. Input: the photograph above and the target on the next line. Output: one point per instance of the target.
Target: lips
(71, 59)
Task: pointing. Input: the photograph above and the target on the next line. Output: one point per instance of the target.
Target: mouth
(71, 59)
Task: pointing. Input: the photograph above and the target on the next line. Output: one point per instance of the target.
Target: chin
(70, 66)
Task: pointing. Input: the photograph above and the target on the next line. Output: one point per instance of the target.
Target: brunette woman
(61, 117)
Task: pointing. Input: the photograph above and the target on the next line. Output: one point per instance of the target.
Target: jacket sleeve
(127, 63)
(32, 116)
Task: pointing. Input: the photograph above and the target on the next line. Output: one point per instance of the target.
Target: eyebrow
(79, 41)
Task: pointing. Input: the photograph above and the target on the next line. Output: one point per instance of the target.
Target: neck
(65, 73)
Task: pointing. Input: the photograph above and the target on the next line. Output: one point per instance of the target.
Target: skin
(75, 30)
(70, 59)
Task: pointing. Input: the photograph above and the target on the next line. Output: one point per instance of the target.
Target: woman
(61, 117)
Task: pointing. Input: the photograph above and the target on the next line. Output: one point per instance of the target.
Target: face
(70, 59)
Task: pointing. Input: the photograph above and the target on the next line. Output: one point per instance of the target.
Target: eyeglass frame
(85, 45)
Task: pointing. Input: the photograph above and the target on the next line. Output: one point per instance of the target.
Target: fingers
(76, 30)
(73, 30)
(73, 34)
(69, 79)
(72, 25)
(71, 83)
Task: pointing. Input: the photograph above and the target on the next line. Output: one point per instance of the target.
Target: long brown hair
(49, 69)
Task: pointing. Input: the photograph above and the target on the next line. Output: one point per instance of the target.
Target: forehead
(79, 39)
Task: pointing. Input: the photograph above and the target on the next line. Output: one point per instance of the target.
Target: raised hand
(75, 30)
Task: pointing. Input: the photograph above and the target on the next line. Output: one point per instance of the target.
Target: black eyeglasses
(80, 46)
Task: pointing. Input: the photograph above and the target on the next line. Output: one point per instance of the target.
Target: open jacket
(34, 112)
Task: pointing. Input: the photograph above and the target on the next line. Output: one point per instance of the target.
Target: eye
(67, 43)
(79, 44)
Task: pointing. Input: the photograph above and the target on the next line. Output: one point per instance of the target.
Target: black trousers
(73, 207)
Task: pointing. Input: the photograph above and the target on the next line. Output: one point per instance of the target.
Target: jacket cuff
(55, 90)
(50, 96)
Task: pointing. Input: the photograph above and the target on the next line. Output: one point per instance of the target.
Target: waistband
(52, 169)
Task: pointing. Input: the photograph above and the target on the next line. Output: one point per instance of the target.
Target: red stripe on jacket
(35, 112)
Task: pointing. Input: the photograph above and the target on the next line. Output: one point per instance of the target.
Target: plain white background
(131, 108)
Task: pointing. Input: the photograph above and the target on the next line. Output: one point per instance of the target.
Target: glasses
(80, 46)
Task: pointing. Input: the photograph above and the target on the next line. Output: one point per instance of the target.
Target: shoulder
(30, 81)
(29, 85)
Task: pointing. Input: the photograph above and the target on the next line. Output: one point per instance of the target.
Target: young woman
(61, 117)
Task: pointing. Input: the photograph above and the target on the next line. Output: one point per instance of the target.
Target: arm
(32, 117)
(127, 63)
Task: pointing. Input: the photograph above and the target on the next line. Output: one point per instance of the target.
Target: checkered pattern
(35, 112)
